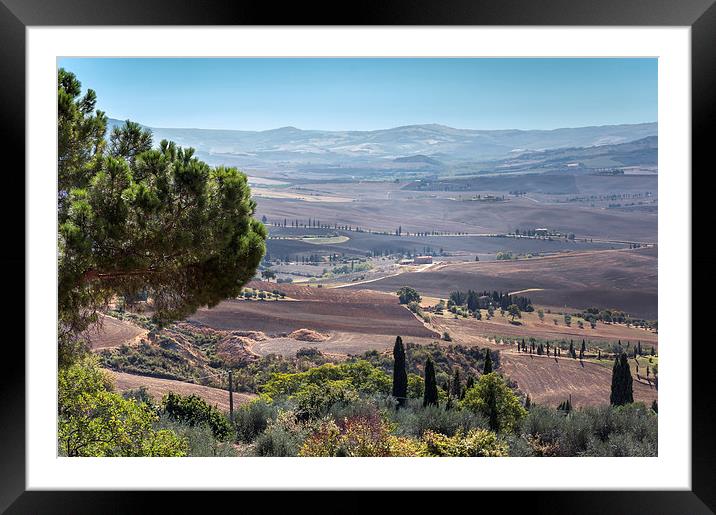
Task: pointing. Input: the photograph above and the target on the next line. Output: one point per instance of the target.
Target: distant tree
(478, 314)
(268, 274)
(567, 319)
(458, 298)
(430, 397)
(514, 311)
(540, 314)
(487, 368)
(622, 389)
(407, 295)
(400, 374)
(473, 300)
(571, 349)
(655, 406)
(528, 402)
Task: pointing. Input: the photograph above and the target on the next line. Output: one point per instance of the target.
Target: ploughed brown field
(157, 388)
(549, 381)
(530, 326)
(386, 205)
(625, 280)
(546, 380)
(111, 332)
(320, 309)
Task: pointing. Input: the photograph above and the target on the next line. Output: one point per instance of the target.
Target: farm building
(405, 262)
(423, 260)
(542, 232)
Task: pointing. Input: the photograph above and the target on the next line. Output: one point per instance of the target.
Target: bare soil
(319, 309)
(111, 333)
(160, 387)
(626, 280)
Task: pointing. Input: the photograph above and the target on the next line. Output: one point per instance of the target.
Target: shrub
(200, 439)
(252, 419)
(194, 410)
(477, 442)
(283, 436)
(94, 421)
(415, 420)
(362, 436)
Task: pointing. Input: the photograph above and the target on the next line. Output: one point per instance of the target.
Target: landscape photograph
(357, 257)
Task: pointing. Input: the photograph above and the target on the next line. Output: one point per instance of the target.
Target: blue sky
(364, 94)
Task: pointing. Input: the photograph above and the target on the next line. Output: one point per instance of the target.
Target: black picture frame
(16, 15)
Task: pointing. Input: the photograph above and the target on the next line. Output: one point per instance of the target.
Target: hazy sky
(363, 94)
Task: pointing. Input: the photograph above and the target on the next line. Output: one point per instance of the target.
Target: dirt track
(160, 387)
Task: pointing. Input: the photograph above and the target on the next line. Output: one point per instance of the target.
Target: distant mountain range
(429, 144)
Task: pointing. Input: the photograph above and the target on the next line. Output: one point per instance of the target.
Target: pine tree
(622, 389)
(430, 398)
(488, 362)
(400, 375)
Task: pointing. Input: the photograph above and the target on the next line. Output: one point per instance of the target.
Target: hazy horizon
(364, 94)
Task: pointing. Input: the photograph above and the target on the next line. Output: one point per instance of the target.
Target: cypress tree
(622, 391)
(488, 362)
(431, 388)
(456, 383)
(400, 375)
(470, 383)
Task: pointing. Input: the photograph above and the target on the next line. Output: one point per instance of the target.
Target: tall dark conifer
(456, 383)
(400, 375)
(431, 388)
(622, 389)
(488, 362)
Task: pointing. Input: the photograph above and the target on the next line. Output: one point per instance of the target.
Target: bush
(362, 436)
(200, 439)
(94, 421)
(283, 436)
(252, 419)
(414, 420)
(476, 443)
(194, 411)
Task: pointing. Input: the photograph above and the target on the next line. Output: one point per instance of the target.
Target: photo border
(16, 15)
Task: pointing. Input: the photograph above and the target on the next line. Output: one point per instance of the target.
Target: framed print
(451, 243)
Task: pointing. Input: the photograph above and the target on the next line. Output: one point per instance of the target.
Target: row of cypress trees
(430, 395)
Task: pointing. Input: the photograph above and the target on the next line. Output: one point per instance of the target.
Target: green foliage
(366, 436)
(487, 368)
(514, 311)
(360, 376)
(430, 395)
(414, 420)
(283, 436)
(629, 430)
(476, 442)
(195, 411)
(492, 398)
(133, 219)
(400, 375)
(200, 439)
(622, 389)
(94, 421)
(253, 418)
(408, 295)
